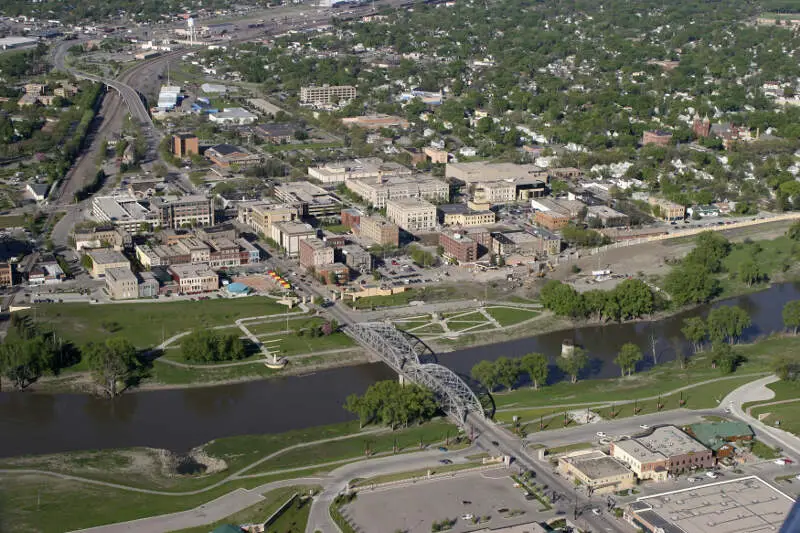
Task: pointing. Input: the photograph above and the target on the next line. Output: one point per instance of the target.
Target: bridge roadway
(407, 356)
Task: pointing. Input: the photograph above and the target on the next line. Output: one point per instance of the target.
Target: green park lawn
(699, 397)
(146, 324)
(406, 440)
(508, 316)
(773, 257)
(784, 390)
(788, 414)
(295, 323)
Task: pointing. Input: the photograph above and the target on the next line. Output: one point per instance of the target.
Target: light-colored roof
(106, 256)
(671, 441)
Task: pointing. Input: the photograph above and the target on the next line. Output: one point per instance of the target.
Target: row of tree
(630, 299)
(28, 354)
(392, 404)
(724, 324)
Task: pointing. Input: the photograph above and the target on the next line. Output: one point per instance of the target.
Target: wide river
(179, 419)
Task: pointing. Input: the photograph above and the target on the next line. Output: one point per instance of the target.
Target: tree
(791, 315)
(709, 251)
(688, 285)
(794, 232)
(111, 362)
(23, 361)
(749, 272)
(628, 356)
(573, 364)
(507, 371)
(787, 368)
(206, 346)
(537, 367)
(695, 330)
(635, 299)
(562, 299)
(724, 357)
(486, 373)
(727, 323)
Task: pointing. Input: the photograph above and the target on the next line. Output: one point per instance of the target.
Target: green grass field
(146, 324)
(508, 316)
(787, 414)
(295, 323)
(774, 257)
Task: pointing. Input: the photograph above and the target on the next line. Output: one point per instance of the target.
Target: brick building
(657, 137)
(185, 145)
(459, 246)
(315, 253)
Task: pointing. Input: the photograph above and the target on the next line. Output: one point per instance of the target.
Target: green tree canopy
(573, 364)
(537, 367)
(112, 362)
(791, 315)
(628, 356)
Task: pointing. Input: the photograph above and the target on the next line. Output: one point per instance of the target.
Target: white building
(411, 214)
(233, 115)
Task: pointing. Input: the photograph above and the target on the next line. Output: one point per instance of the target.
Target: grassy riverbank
(38, 502)
(658, 380)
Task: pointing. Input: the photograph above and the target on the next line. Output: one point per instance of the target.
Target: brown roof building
(459, 246)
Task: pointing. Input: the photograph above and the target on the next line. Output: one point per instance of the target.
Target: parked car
(601, 434)
(712, 475)
(644, 426)
(442, 449)
(446, 461)
(596, 511)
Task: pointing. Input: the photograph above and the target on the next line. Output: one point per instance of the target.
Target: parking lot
(413, 508)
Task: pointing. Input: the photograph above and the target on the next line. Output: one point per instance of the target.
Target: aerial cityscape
(383, 266)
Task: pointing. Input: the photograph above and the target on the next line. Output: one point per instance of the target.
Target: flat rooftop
(745, 505)
(106, 256)
(597, 465)
(483, 172)
(671, 441)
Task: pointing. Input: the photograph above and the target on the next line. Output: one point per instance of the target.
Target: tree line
(392, 404)
(30, 353)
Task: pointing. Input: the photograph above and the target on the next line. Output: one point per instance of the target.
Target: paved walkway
(757, 391)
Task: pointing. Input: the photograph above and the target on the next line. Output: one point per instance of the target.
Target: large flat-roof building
(667, 210)
(379, 191)
(121, 283)
(327, 95)
(493, 181)
(233, 115)
(261, 216)
(366, 167)
(376, 122)
(537, 241)
(104, 259)
(124, 211)
(741, 505)
(289, 234)
(667, 450)
(308, 199)
(228, 155)
(464, 216)
(190, 210)
(102, 237)
(192, 279)
(411, 214)
(458, 246)
(315, 253)
(357, 258)
(379, 231)
(596, 470)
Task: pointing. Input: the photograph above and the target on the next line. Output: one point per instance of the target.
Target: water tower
(190, 25)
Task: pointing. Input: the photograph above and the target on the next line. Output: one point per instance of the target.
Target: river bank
(179, 419)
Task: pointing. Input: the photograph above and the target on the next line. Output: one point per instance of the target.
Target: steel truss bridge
(406, 355)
